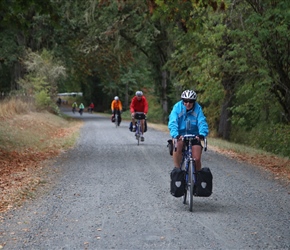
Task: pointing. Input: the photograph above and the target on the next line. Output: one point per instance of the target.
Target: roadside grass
(12, 106)
(28, 140)
(36, 131)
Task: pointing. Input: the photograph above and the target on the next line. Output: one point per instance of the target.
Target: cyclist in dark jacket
(187, 110)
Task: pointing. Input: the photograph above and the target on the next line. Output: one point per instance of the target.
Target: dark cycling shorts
(196, 142)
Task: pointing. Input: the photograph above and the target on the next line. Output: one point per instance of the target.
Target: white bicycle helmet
(189, 95)
(139, 93)
(116, 98)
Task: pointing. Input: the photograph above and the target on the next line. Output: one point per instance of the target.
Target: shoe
(142, 138)
(134, 129)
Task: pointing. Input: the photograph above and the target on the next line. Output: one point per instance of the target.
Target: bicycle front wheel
(137, 134)
(116, 120)
(182, 166)
(138, 138)
(191, 186)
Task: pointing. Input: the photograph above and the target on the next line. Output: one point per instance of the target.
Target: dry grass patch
(27, 142)
(13, 106)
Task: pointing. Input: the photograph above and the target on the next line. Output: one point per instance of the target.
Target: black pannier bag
(204, 183)
(131, 126)
(170, 146)
(177, 184)
(145, 126)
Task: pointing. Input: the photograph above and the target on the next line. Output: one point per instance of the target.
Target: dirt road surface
(109, 193)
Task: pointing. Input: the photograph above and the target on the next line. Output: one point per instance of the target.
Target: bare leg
(142, 126)
(196, 154)
(177, 156)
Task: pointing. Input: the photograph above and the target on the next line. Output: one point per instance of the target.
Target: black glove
(201, 137)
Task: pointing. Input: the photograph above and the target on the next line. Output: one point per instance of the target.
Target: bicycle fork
(190, 163)
(190, 170)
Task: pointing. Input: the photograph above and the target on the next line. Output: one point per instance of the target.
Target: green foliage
(155, 112)
(273, 138)
(196, 65)
(11, 50)
(54, 109)
(239, 56)
(42, 100)
(44, 73)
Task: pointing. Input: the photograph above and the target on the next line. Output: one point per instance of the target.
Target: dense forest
(234, 53)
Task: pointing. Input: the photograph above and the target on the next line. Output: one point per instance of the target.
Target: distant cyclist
(59, 101)
(116, 107)
(187, 110)
(74, 107)
(91, 107)
(139, 104)
(81, 108)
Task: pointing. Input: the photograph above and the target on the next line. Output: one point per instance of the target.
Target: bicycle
(90, 110)
(139, 116)
(188, 164)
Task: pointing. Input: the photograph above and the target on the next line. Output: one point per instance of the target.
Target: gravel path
(110, 193)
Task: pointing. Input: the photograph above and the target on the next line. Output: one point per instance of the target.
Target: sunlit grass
(239, 148)
(20, 128)
(13, 106)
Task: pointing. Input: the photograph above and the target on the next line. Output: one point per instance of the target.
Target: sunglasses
(188, 101)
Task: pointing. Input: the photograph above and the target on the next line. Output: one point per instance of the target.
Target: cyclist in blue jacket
(187, 111)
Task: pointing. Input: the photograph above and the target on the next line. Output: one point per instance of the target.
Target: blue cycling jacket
(179, 117)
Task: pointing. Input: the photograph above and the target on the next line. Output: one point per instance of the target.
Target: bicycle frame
(188, 164)
(138, 116)
(138, 132)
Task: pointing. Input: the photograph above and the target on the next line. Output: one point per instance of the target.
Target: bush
(54, 109)
(155, 112)
(273, 138)
(42, 100)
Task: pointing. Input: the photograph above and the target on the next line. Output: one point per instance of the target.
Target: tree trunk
(17, 73)
(224, 128)
(164, 101)
(126, 101)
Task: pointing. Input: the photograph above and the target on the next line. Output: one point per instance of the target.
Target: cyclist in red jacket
(91, 107)
(138, 104)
